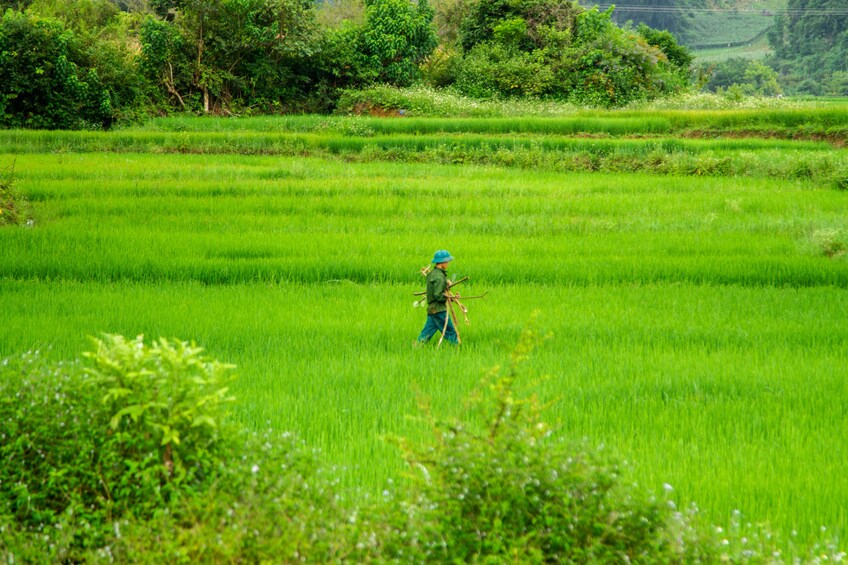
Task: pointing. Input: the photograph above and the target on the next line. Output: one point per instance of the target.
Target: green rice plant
(675, 377)
(748, 157)
(829, 242)
(801, 122)
(573, 227)
(695, 324)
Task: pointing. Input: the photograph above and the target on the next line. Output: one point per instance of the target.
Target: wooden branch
(169, 84)
(460, 281)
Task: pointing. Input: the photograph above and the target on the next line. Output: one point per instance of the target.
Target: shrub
(511, 492)
(47, 79)
(828, 242)
(13, 206)
(122, 435)
(270, 502)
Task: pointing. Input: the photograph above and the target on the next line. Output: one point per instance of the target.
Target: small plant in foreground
(13, 206)
(828, 242)
(121, 436)
(510, 491)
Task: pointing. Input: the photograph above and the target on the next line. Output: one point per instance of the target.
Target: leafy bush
(511, 491)
(828, 242)
(47, 80)
(491, 70)
(270, 502)
(13, 206)
(164, 403)
(122, 435)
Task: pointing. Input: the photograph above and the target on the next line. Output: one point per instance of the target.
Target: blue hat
(442, 256)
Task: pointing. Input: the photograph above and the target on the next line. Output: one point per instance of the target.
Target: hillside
(737, 24)
(713, 29)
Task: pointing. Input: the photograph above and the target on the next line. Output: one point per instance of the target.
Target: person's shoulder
(436, 274)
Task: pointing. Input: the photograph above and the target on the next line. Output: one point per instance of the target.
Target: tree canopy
(556, 49)
(86, 63)
(810, 44)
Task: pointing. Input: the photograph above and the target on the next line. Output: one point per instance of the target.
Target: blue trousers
(436, 323)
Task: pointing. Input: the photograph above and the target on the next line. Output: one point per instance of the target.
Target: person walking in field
(438, 293)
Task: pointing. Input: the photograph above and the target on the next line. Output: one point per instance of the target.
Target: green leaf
(204, 421)
(133, 412)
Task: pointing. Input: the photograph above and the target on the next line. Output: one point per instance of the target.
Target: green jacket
(437, 284)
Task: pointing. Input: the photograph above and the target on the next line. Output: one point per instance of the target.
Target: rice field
(698, 322)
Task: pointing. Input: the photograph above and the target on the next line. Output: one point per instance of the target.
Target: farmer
(438, 292)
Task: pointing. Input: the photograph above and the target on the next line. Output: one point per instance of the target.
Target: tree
(448, 17)
(745, 76)
(397, 37)
(47, 80)
(557, 49)
(678, 55)
(105, 35)
(810, 43)
(761, 80)
(219, 52)
(19, 5)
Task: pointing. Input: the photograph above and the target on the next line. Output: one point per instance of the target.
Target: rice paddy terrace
(690, 267)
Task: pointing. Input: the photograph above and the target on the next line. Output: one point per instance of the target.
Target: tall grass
(698, 322)
(732, 395)
(240, 219)
(668, 156)
(424, 101)
(612, 123)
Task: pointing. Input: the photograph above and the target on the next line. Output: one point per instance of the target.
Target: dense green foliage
(103, 457)
(554, 49)
(48, 80)
(810, 44)
(226, 53)
(123, 437)
(749, 77)
(396, 38)
(88, 63)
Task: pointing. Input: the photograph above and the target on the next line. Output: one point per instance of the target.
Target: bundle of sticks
(451, 300)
